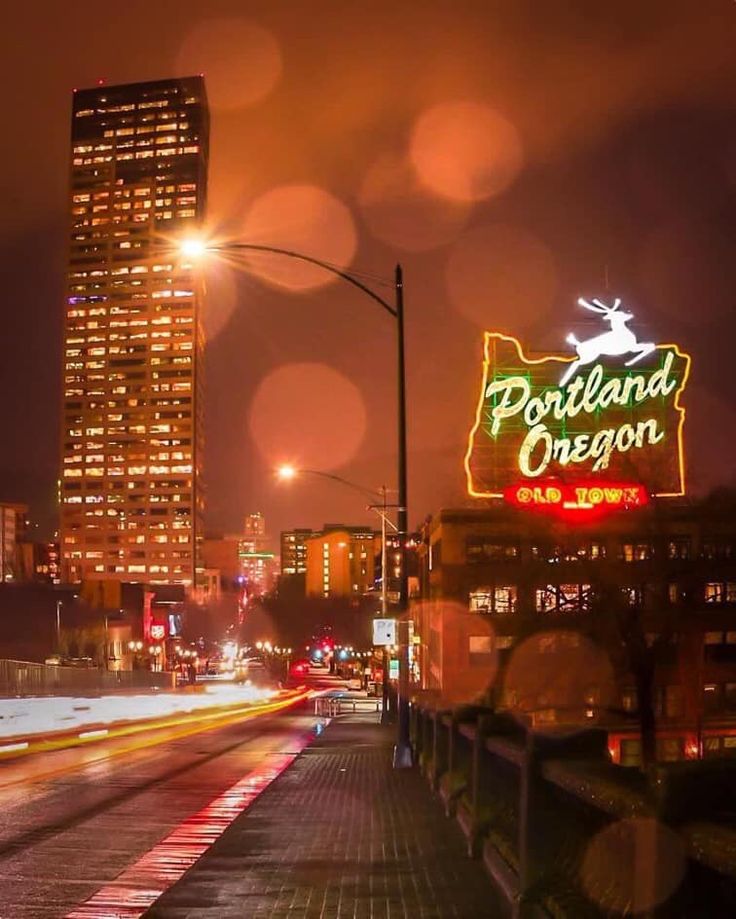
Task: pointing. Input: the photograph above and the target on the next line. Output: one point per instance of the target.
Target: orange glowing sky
(510, 155)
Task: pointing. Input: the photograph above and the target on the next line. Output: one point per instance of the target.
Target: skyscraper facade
(131, 494)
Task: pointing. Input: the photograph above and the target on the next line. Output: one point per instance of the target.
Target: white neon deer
(619, 340)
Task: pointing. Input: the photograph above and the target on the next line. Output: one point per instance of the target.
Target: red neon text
(585, 497)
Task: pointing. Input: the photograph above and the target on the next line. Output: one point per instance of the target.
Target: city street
(64, 837)
(367, 486)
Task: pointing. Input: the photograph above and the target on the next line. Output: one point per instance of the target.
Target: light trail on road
(137, 735)
(128, 814)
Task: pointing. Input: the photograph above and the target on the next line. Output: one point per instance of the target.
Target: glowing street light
(193, 248)
(402, 752)
(286, 472)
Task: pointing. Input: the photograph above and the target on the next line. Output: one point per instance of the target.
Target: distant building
(258, 569)
(243, 559)
(39, 562)
(341, 561)
(255, 526)
(13, 529)
(131, 502)
(393, 559)
(294, 550)
(220, 553)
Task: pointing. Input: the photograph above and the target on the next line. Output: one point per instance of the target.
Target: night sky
(511, 155)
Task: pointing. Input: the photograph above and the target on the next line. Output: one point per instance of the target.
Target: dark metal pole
(402, 751)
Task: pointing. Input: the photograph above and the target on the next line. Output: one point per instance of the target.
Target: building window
(480, 648)
(711, 698)
(670, 749)
(574, 552)
(629, 701)
(501, 599)
(563, 598)
(634, 596)
(673, 593)
(715, 547)
(595, 550)
(630, 752)
(480, 549)
(720, 592)
(679, 547)
(636, 551)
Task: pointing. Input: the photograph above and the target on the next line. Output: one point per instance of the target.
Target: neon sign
(583, 499)
(601, 421)
(620, 339)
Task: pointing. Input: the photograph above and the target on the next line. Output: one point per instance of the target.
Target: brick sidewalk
(339, 834)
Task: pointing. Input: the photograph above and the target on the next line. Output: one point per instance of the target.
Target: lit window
(714, 592)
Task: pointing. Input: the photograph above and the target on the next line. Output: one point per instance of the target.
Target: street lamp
(193, 248)
(59, 604)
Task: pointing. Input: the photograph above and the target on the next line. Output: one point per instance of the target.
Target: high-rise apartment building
(131, 497)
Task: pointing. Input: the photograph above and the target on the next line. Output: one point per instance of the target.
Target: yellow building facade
(341, 562)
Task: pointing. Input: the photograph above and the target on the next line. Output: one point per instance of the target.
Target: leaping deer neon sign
(620, 339)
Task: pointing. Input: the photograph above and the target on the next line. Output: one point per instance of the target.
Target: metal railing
(530, 805)
(27, 678)
(332, 706)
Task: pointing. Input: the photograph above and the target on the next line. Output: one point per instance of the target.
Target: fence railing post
(526, 780)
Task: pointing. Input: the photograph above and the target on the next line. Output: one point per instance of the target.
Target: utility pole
(402, 750)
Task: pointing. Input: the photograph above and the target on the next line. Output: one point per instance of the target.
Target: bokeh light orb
(241, 61)
(465, 151)
(402, 212)
(632, 866)
(303, 218)
(501, 276)
(310, 413)
(558, 681)
(469, 651)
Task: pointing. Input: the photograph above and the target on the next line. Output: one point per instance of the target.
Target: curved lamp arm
(346, 276)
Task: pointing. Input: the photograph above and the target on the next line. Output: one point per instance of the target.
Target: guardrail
(26, 678)
(555, 821)
(332, 706)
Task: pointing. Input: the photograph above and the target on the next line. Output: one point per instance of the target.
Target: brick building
(667, 569)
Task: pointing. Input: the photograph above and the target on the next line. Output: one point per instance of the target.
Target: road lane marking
(13, 747)
(138, 887)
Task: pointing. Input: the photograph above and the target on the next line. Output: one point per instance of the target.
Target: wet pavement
(68, 834)
(339, 834)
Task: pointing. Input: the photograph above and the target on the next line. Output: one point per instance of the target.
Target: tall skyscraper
(255, 526)
(131, 496)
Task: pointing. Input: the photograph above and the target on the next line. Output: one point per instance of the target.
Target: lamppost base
(403, 756)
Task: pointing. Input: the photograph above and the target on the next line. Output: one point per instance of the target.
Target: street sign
(384, 632)
(393, 670)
